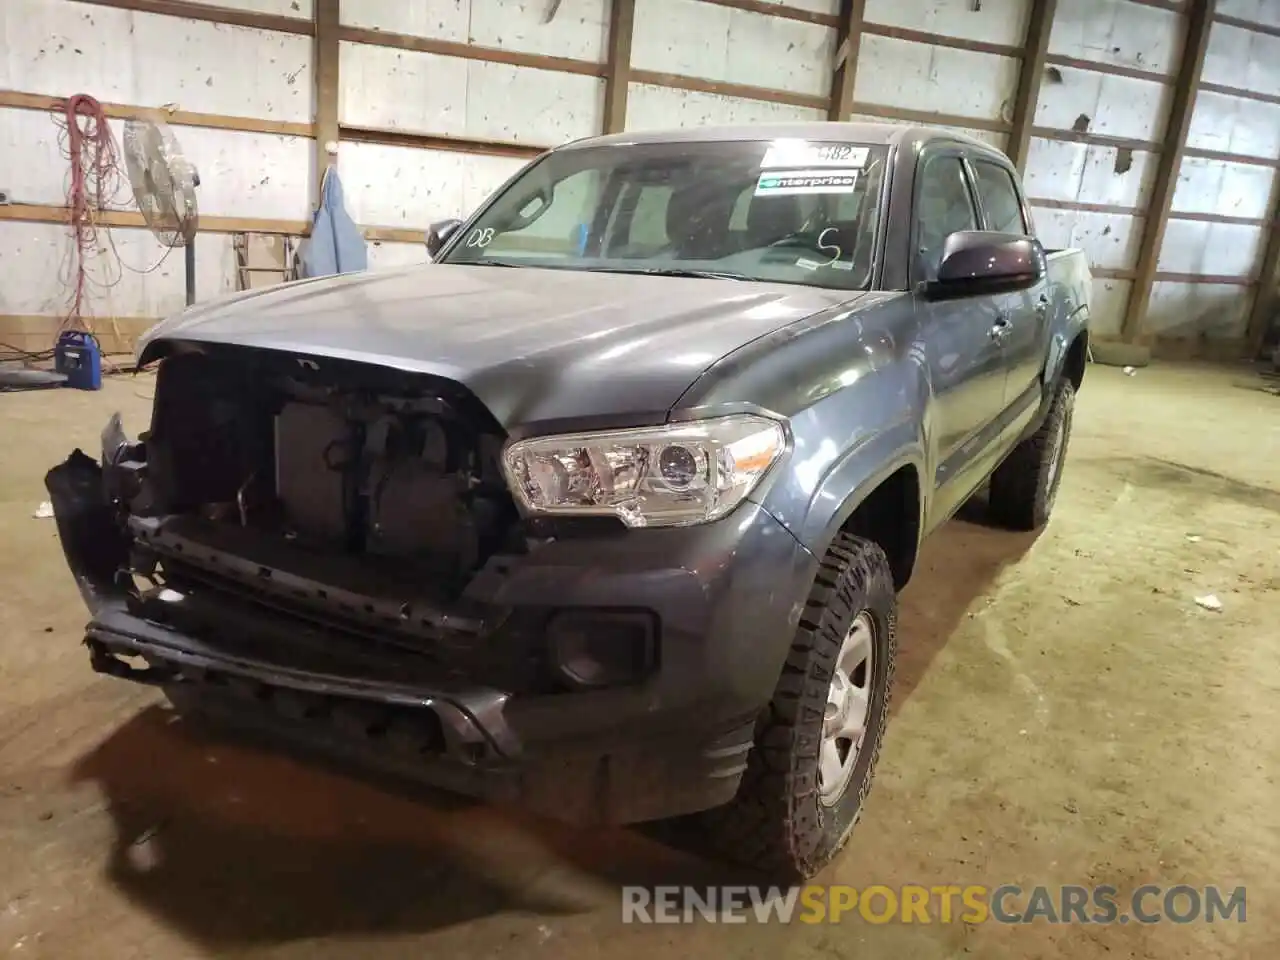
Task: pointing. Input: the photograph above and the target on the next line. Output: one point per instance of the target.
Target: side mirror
(439, 232)
(980, 262)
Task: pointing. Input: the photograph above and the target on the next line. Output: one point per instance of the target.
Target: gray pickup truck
(604, 511)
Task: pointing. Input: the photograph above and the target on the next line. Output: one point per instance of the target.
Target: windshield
(785, 211)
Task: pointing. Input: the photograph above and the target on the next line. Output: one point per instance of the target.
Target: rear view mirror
(977, 262)
(438, 233)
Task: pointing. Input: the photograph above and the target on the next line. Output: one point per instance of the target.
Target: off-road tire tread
(1019, 494)
(774, 825)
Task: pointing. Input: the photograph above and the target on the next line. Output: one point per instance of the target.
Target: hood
(534, 345)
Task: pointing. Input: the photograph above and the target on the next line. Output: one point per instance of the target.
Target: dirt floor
(1065, 714)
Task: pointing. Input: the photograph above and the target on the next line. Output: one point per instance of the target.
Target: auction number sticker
(806, 153)
(783, 182)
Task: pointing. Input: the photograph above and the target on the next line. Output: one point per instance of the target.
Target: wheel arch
(888, 507)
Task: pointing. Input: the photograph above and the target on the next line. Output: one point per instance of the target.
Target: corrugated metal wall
(439, 101)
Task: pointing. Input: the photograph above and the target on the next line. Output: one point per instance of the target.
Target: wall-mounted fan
(164, 185)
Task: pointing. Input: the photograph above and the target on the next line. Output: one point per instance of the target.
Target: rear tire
(1025, 486)
(790, 818)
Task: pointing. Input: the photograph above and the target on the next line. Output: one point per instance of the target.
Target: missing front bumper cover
(266, 647)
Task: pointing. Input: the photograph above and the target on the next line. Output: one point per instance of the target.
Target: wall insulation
(435, 103)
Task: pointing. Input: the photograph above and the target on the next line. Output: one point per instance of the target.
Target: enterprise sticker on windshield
(806, 181)
(805, 153)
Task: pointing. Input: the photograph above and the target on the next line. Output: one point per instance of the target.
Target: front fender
(845, 446)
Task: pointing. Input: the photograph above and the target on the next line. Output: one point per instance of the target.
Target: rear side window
(999, 198)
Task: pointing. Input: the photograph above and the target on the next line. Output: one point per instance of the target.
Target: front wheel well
(1077, 356)
(890, 517)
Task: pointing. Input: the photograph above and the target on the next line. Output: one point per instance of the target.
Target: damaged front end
(326, 544)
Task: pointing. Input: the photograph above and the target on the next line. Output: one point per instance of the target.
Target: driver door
(965, 361)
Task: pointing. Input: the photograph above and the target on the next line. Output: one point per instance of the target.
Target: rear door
(965, 359)
(1024, 313)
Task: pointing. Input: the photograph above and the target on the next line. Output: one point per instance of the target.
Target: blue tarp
(336, 244)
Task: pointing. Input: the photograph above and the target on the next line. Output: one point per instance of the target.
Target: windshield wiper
(671, 272)
(485, 263)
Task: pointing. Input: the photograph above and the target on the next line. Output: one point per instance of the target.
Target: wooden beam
(132, 220)
(767, 8)
(325, 69)
(1225, 157)
(1115, 69)
(1270, 30)
(617, 76)
(1096, 139)
(180, 118)
(1240, 92)
(211, 14)
(1110, 209)
(845, 68)
(431, 141)
(1027, 94)
(49, 213)
(940, 40)
(470, 51)
(768, 94)
(1199, 18)
(928, 117)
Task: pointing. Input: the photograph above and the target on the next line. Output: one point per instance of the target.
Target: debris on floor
(1209, 602)
(1130, 371)
(44, 511)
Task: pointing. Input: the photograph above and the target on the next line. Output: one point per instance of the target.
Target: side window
(943, 207)
(999, 198)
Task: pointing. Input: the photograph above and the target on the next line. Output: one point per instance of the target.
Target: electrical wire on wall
(93, 182)
(91, 265)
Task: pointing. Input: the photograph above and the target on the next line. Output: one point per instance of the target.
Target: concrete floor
(1065, 714)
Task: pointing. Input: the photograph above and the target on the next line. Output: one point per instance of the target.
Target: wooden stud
(617, 77)
(1265, 299)
(328, 83)
(1199, 19)
(1027, 94)
(845, 68)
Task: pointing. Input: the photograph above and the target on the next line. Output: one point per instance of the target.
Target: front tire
(1025, 486)
(817, 742)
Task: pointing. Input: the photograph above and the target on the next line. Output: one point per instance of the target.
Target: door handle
(1042, 306)
(1000, 327)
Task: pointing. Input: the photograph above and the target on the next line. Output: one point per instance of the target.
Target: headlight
(666, 476)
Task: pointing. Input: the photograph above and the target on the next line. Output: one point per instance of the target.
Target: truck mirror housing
(981, 262)
(439, 232)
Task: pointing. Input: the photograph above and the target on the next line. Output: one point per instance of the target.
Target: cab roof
(870, 134)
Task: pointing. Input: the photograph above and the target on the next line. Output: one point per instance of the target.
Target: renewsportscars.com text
(972, 904)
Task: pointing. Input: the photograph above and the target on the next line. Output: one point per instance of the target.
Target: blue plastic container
(78, 357)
